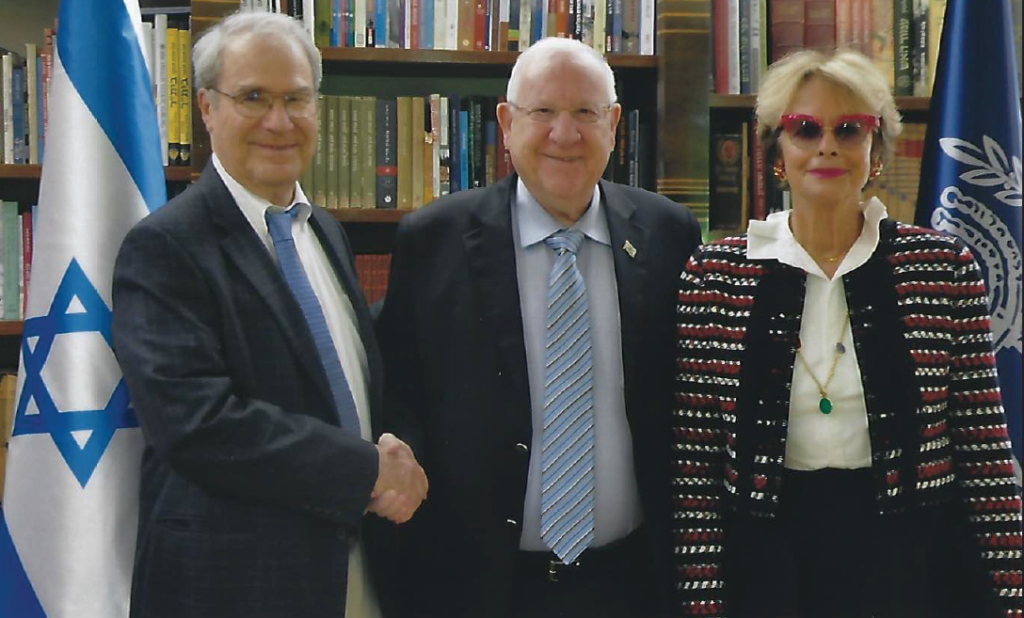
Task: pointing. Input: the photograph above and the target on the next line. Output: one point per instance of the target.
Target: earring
(876, 170)
(779, 170)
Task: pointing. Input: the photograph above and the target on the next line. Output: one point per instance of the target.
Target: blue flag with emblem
(971, 172)
(67, 532)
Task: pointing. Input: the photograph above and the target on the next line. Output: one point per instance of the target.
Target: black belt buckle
(557, 566)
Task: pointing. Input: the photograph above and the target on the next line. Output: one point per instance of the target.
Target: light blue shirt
(617, 502)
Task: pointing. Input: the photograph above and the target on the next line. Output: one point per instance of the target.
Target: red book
(480, 25)
(820, 25)
(786, 19)
(720, 25)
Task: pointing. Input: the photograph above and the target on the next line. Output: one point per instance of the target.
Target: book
(160, 78)
(387, 152)
(820, 25)
(881, 37)
(726, 182)
(331, 157)
(32, 124)
(786, 28)
(416, 150)
(344, 188)
(369, 150)
(404, 125)
(919, 70)
(356, 156)
(184, 96)
(173, 94)
(903, 14)
(319, 196)
(10, 254)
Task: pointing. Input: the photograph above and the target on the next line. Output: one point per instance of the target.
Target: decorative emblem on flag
(81, 435)
(992, 242)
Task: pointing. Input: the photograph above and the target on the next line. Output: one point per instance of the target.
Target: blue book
(380, 23)
(426, 24)
(537, 20)
(19, 124)
(336, 23)
(463, 147)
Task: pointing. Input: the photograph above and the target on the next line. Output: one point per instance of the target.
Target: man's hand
(401, 483)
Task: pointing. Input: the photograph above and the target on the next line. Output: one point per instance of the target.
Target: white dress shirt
(815, 440)
(617, 510)
(342, 323)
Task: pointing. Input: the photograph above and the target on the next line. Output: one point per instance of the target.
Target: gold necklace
(825, 404)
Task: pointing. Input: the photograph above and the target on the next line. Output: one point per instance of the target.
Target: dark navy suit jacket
(250, 492)
(457, 389)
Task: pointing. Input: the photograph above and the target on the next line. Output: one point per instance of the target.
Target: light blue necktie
(280, 226)
(567, 449)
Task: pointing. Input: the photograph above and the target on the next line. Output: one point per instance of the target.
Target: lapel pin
(629, 249)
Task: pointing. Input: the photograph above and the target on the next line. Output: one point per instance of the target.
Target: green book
(344, 147)
(355, 192)
(369, 129)
(332, 152)
(10, 243)
(319, 159)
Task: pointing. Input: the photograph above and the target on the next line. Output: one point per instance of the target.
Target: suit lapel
(492, 265)
(243, 248)
(631, 265)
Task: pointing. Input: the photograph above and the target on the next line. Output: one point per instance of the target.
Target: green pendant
(825, 405)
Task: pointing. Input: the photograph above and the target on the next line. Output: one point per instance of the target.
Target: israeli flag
(67, 533)
(971, 172)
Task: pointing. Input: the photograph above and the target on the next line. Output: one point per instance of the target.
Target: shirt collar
(535, 224)
(254, 207)
(772, 239)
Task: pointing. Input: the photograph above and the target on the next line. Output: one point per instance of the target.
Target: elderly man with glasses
(527, 336)
(252, 365)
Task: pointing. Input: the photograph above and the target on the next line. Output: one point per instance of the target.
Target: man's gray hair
(552, 47)
(208, 52)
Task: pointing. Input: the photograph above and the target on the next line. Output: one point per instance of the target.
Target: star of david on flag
(971, 171)
(70, 508)
(77, 309)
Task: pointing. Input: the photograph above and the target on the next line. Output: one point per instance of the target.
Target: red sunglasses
(850, 130)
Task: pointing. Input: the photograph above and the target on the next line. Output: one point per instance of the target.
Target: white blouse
(815, 440)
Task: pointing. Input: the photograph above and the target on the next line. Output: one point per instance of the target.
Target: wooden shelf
(10, 328)
(426, 57)
(33, 172)
(368, 215)
(747, 101)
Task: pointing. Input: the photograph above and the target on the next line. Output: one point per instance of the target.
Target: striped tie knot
(565, 240)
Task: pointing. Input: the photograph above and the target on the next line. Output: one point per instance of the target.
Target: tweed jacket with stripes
(919, 316)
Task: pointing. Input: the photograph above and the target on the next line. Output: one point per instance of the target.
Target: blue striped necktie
(567, 448)
(280, 225)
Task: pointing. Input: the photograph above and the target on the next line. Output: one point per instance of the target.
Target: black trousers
(828, 554)
(614, 581)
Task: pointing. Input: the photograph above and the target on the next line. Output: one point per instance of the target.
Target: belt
(617, 555)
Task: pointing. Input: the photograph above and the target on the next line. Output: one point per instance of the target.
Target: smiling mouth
(276, 148)
(563, 159)
(828, 172)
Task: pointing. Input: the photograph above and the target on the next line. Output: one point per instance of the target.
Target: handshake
(401, 483)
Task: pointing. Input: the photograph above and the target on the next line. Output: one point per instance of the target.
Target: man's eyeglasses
(581, 115)
(851, 130)
(256, 103)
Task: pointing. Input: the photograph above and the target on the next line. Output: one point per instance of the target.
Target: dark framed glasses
(850, 130)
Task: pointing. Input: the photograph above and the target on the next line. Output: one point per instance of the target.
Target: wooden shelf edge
(748, 101)
(10, 328)
(449, 57)
(368, 215)
(33, 172)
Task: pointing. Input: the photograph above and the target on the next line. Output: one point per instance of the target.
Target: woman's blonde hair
(845, 68)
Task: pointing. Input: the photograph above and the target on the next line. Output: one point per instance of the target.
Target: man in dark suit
(527, 336)
(249, 354)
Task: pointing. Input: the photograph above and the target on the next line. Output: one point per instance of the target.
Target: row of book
(25, 87)
(404, 152)
(900, 36)
(610, 26)
(15, 259)
(167, 43)
(743, 187)
(24, 82)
